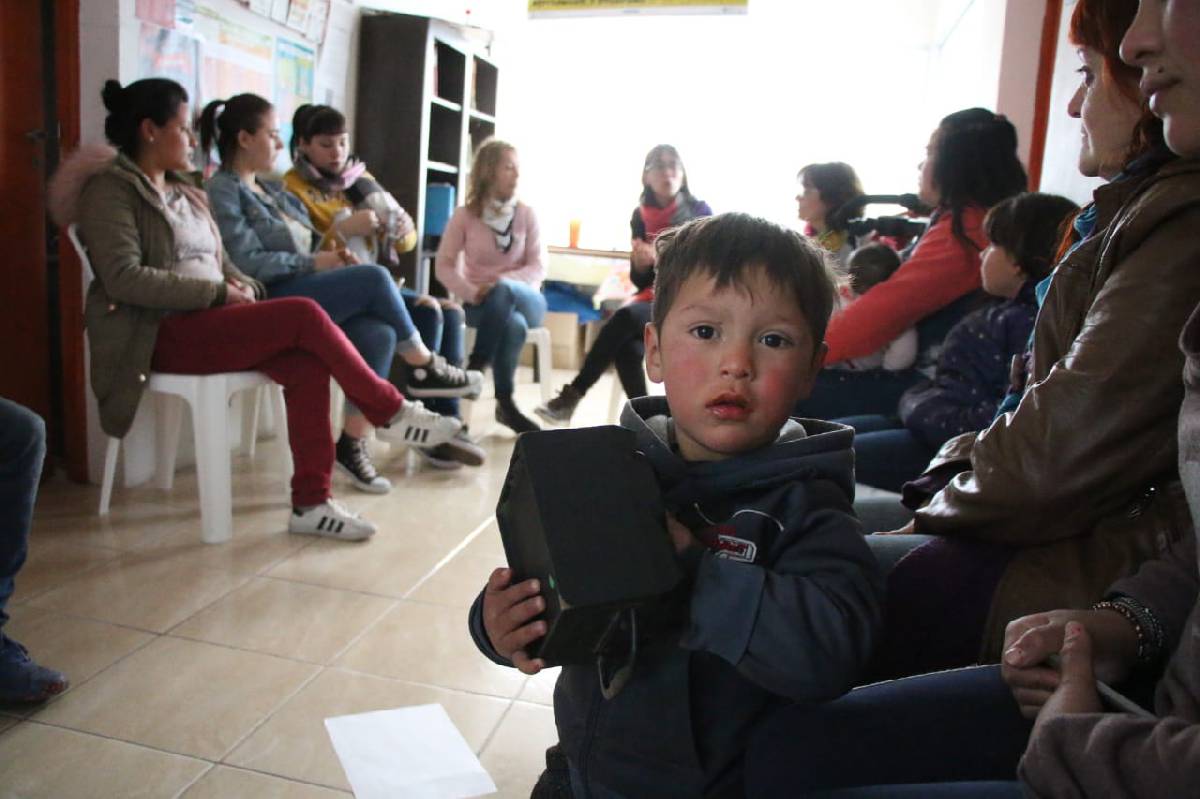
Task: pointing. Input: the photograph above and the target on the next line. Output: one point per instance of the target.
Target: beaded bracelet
(1151, 638)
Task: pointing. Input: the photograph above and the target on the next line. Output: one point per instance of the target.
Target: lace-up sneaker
(440, 378)
(354, 460)
(455, 453)
(560, 409)
(22, 680)
(416, 425)
(332, 520)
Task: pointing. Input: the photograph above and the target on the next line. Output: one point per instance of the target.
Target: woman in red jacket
(970, 165)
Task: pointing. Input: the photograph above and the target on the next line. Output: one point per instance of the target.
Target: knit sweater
(940, 270)
(469, 258)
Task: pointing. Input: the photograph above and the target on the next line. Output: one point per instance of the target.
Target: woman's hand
(1076, 692)
(359, 223)
(328, 259)
(237, 293)
(507, 610)
(482, 292)
(642, 254)
(1029, 641)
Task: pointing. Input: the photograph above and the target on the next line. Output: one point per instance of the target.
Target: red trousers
(292, 341)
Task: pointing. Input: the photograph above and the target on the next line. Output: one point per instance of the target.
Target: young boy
(784, 593)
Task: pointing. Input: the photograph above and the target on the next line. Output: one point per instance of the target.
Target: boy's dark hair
(870, 265)
(222, 121)
(1029, 227)
(727, 246)
(314, 120)
(156, 99)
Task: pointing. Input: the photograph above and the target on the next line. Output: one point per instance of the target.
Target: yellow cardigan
(323, 207)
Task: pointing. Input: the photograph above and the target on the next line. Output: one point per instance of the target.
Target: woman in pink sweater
(491, 257)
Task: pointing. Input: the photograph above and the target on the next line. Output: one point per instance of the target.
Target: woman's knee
(501, 294)
(303, 310)
(452, 315)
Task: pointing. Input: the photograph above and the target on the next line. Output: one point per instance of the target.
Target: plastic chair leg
(279, 410)
(209, 416)
(110, 473)
(166, 439)
(251, 407)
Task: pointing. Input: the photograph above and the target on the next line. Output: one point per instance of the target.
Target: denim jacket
(253, 228)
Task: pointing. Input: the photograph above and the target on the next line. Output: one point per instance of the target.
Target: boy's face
(734, 362)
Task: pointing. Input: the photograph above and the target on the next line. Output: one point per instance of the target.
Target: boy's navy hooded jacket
(785, 607)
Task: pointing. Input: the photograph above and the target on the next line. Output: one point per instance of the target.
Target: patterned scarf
(498, 216)
(328, 182)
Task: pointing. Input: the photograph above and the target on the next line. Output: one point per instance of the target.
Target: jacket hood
(67, 184)
(805, 449)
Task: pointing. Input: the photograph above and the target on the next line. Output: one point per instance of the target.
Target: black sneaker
(440, 378)
(353, 460)
(559, 409)
(509, 415)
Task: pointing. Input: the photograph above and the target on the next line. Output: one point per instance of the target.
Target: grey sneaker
(440, 378)
(560, 409)
(509, 415)
(416, 425)
(330, 519)
(354, 460)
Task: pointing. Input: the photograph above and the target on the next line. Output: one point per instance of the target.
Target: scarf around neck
(325, 181)
(498, 215)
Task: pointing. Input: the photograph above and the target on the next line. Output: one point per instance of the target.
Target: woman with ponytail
(269, 235)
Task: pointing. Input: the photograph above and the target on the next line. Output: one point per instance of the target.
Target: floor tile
(51, 563)
(181, 696)
(458, 582)
(150, 591)
(79, 648)
(540, 687)
(223, 782)
(516, 754)
(430, 644)
(294, 743)
(8, 721)
(293, 620)
(38, 761)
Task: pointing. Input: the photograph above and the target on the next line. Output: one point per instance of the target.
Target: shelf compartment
(483, 85)
(450, 72)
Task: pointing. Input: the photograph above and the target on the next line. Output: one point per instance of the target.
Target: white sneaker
(418, 426)
(332, 520)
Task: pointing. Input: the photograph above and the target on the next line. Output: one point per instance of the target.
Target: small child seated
(784, 595)
(867, 267)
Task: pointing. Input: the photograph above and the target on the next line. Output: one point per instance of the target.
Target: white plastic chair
(539, 337)
(208, 396)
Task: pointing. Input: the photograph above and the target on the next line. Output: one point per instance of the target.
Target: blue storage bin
(439, 205)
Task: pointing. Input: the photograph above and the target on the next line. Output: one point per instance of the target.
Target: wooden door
(25, 317)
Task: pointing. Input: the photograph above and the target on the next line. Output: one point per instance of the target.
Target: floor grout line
(450, 555)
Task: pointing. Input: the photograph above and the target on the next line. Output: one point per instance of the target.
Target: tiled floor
(207, 671)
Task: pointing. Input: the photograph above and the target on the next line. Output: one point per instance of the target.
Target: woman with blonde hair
(491, 257)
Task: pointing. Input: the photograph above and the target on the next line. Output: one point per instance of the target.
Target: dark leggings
(619, 343)
(955, 733)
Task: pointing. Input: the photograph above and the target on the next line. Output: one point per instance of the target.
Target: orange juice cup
(574, 240)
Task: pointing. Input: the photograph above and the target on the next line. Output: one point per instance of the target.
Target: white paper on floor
(407, 752)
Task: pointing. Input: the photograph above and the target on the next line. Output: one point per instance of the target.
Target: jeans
(295, 343)
(22, 450)
(501, 322)
(960, 730)
(843, 392)
(886, 454)
(442, 331)
(619, 343)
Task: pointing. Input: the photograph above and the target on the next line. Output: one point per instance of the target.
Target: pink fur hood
(67, 184)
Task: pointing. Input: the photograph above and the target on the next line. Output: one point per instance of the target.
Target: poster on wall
(297, 18)
(585, 8)
(156, 12)
(164, 53)
(279, 10)
(295, 72)
(238, 59)
(261, 7)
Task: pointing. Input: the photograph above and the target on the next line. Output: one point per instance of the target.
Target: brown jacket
(131, 246)
(1111, 754)
(1082, 476)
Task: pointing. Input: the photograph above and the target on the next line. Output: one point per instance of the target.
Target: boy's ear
(814, 369)
(653, 353)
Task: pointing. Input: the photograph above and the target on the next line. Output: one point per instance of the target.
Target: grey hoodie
(785, 605)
